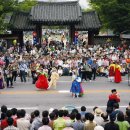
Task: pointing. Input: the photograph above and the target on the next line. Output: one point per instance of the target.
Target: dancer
(118, 78)
(54, 78)
(111, 72)
(42, 82)
(76, 88)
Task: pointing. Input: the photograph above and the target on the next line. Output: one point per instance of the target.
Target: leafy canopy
(9, 6)
(114, 14)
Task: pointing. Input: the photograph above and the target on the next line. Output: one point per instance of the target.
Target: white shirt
(11, 128)
(23, 124)
(45, 127)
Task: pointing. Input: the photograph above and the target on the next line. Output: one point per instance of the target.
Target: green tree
(114, 14)
(9, 6)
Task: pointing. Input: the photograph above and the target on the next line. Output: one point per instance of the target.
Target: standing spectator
(94, 67)
(3, 112)
(1, 81)
(45, 126)
(10, 122)
(8, 75)
(22, 123)
(23, 69)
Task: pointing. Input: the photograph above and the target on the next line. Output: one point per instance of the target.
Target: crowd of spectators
(86, 61)
(62, 119)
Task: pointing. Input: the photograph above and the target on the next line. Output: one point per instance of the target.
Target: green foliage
(114, 14)
(25, 5)
(9, 6)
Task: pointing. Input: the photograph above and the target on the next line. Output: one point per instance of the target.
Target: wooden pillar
(39, 33)
(72, 33)
(20, 37)
(90, 38)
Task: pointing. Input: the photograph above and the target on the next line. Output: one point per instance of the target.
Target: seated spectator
(91, 124)
(97, 116)
(123, 125)
(45, 126)
(45, 113)
(3, 112)
(128, 108)
(22, 122)
(111, 125)
(98, 128)
(78, 125)
(37, 121)
(83, 112)
(10, 126)
(59, 123)
(4, 122)
(68, 126)
(105, 118)
(115, 109)
(52, 118)
(14, 113)
(66, 115)
(127, 116)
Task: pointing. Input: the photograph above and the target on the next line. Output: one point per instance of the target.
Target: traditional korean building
(55, 14)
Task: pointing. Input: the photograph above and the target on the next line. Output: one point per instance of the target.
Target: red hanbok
(42, 82)
(111, 71)
(117, 76)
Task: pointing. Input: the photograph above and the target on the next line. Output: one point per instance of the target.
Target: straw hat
(98, 111)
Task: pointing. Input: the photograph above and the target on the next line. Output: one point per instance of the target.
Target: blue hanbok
(75, 88)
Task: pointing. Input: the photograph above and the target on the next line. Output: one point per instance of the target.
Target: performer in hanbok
(76, 88)
(111, 72)
(54, 77)
(118, 78)
(42, 82)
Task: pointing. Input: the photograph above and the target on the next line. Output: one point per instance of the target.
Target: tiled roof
(20, 21)
(56, 12)
(90, 21)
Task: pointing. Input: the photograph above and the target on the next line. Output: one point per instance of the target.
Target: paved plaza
(26, 96)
